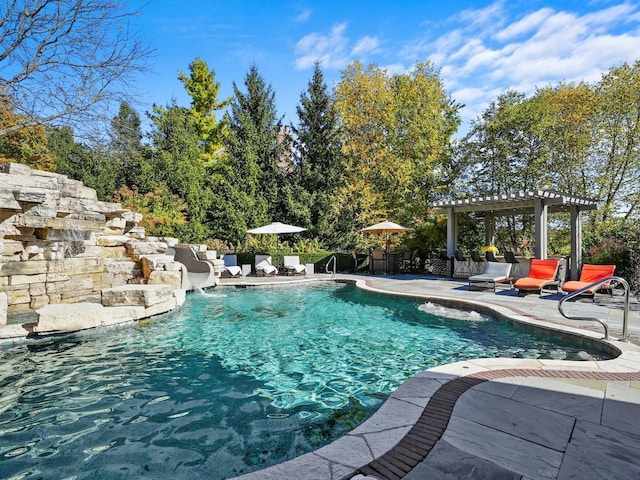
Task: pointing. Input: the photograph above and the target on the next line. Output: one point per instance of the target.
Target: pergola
(539, 203)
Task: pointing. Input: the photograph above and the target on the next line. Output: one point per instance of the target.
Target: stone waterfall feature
(76, 262)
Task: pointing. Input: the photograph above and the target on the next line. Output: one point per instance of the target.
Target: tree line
(375, 146)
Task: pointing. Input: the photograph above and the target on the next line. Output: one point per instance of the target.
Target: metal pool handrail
(625, 317)
(335, 263)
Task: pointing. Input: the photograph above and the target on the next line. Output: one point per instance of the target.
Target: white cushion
(494, 272)
(298, 268)
(234, 270)
(266, 267)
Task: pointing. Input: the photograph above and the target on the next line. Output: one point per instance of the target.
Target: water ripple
(227, 384)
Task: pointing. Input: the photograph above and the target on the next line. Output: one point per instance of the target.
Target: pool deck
(493, 418)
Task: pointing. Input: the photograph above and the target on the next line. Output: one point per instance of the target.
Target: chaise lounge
(231, 267)
(264, 266)
(494, 272)
(293, 266)
(590, 274)
(542, 273)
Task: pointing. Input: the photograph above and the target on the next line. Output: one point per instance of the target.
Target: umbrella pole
(386, 244)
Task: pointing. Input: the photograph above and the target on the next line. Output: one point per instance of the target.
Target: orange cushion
(575, 285)
(590, 274)
(593, 273)
(528, 283)
(543, 269)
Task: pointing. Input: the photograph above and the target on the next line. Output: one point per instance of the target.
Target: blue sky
(481, 48)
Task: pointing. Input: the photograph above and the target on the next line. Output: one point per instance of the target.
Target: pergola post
(452, 232)
(576, 242)
(452, 237)
(540, 228)
(489, 229)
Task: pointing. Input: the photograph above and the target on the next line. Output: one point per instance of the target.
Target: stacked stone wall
(60, 245)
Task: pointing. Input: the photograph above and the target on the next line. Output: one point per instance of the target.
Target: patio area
(493, 418)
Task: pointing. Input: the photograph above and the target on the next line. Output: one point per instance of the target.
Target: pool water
(234, 381)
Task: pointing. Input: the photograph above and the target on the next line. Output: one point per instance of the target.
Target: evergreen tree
(319, 161)
(254, 175)
(177, 164)
(128, 150)
(203, 89)
(91, 165)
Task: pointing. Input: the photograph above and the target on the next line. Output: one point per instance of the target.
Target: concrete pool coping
(493, 418)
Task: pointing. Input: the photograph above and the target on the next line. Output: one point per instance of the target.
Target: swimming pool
(235, 381)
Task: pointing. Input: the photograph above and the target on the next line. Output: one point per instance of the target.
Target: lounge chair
(231, 267)
(494, 272)
(264, 266)
(490, 256)
(293, 266)
(542, 273)
(590, 274)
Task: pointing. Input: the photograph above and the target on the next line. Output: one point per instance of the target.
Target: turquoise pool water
(234, 381)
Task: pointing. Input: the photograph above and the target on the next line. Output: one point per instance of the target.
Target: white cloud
(478, 60)
(395, 68)
(329, 50)
(333, 50)
(365, 45)
(303, 16)
(481, 53)
(469, 95)
(527, 24)
(617, 13)
(482, 17)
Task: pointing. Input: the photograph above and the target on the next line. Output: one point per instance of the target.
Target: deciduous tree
(65, 59)
(615, 160)
(396, 135)
(27, 145)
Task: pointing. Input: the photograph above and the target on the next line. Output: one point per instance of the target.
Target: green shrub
(619, 246)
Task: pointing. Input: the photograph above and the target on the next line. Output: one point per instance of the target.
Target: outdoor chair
(463, 263)
(494, 273)
(378, 262)
(509, 257)
(409, 262)
(542, 273)
(264, 267)
(478, 262)
(491, 257)
(231, 267)
(591, 274)
(293, 266)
